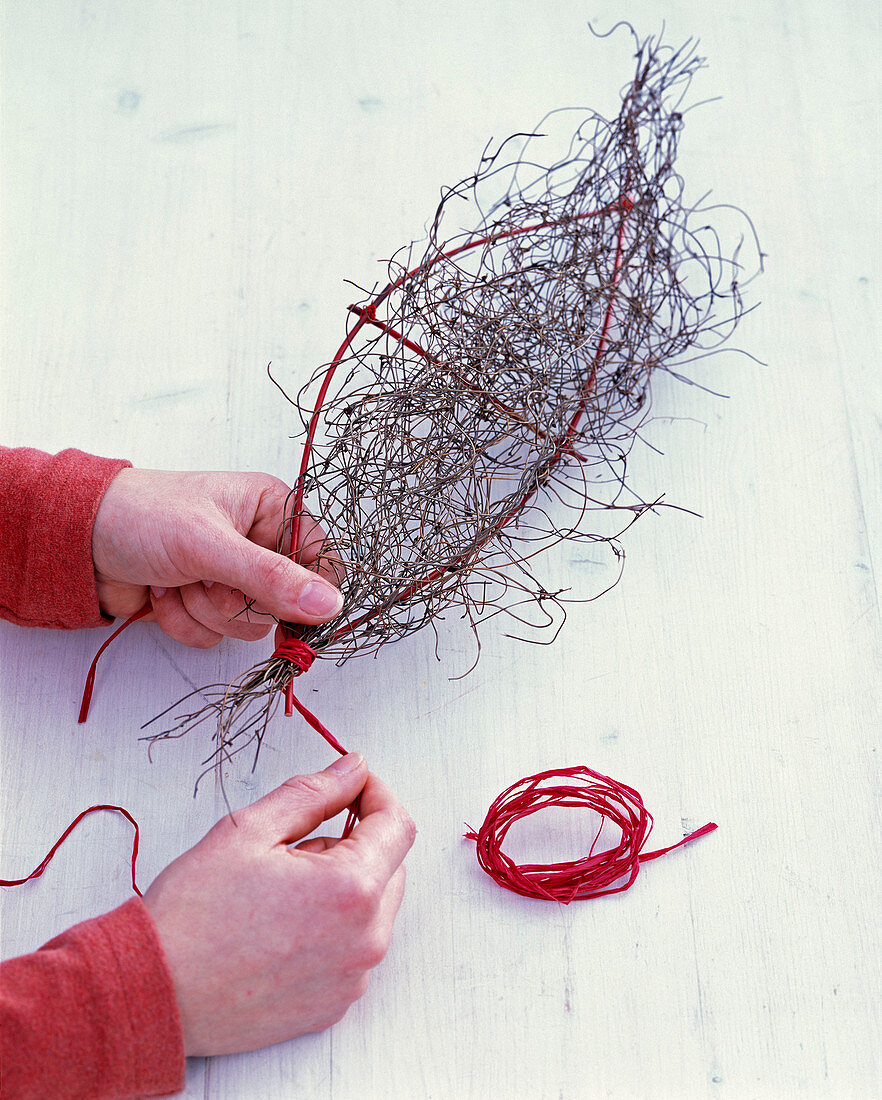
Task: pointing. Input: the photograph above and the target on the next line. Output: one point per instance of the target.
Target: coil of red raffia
(605, 872)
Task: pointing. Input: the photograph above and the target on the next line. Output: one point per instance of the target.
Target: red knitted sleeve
(92, 1014)
(47, 507)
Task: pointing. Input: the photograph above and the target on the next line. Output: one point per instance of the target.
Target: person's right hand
(266, 942)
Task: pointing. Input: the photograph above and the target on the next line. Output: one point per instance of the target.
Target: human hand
(193, 543)
(266, 942)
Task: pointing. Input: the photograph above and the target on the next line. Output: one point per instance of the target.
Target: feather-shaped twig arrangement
(483, 402)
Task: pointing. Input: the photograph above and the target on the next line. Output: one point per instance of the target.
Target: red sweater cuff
(48, 505)
(93, 1014)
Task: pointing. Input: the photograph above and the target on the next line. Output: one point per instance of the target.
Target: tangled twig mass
(484, 401)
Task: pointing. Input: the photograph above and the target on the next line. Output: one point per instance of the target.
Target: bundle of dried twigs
(483, 402)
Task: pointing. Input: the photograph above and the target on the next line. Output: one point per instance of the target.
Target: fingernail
(159, 592)
(346, 764)
(320, 600)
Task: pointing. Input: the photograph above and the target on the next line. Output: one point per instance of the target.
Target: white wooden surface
(185, 187)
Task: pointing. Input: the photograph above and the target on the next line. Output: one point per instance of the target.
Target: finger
(392, 897)
(232, 603)
(176, 621)
(384, 833)
(260, 518)
(201, 607)
(119, 600)
(379, 935)
(317, 844)
(279, 585)
(301, 804)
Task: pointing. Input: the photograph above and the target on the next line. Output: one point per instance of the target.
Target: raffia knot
(297, 652)
(367, 313)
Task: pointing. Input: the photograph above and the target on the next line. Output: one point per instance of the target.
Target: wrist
(109, 518)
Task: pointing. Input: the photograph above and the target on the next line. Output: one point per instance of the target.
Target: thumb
(301, 804)
(279, 585)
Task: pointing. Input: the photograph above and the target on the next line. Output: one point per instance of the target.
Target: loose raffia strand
(90, 678)
(290, 649)
(301, 656)
(606, 872)
(48, 858)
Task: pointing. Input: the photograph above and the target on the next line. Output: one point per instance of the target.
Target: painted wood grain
(185, 188)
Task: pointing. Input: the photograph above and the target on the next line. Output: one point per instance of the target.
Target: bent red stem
(367, 315)
(563, 445)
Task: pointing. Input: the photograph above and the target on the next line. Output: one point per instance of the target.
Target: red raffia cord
(47, 859)
(90, 678)
(302, 655)
(593, 875)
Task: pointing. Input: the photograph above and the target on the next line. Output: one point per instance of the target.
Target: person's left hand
(198, 546)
